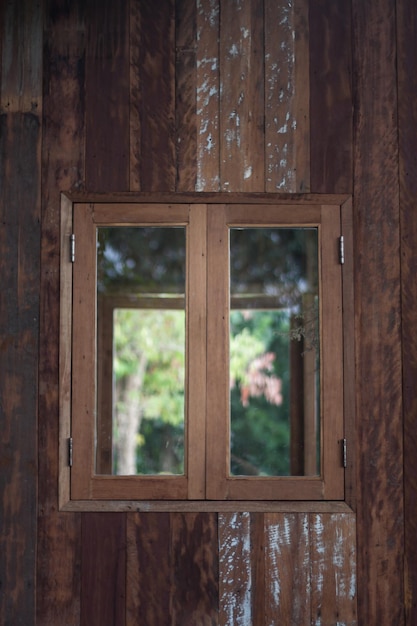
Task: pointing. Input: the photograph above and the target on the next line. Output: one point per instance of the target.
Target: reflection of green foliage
(260, 431)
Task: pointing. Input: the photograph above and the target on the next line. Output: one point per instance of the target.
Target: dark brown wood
(103, 569)
(287, 569)
(258, 567)
(186, 95)
(58, 597)
(380, 510)
(20, 137)
(194, 583)
(20, 209)
(332, 557)
(107, 96)
(242, 104)
(331, 110)
(148, 569)
(407, 119)
(157, 95)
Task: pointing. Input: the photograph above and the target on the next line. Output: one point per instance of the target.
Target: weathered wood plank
(208, 96)
(107, 96)
(148, 569)
(157, 95)
(20, 140)
(103, 569)
(20, 210)
(407, 90)
(380, 510)
(194, 588)
(235, 575)
(287, 118)
(332, 559)
(185, 95)
(331, 97)
(242, 96)
(58, 585)
(135, 122)
(21, 57)
(287, 569)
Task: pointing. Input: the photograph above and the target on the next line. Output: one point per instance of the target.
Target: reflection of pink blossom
(259, 383)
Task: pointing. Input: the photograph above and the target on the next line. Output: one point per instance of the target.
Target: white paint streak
(234, 52)
(248, 172)
(237, 571)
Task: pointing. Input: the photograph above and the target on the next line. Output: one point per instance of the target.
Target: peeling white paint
(248, 172)
(234, 52)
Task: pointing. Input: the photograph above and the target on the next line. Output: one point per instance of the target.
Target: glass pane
(140, 350)
(274, 352)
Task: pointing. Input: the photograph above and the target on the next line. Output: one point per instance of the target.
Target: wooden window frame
(206, 484)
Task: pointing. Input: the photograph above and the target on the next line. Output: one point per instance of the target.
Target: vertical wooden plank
(194, 590)
(20, 210)
(107, 96)
(135, 122)
(208, 96)
(380, 510)
(330, 97)
(58, 588)
(333, 569)
(235, 575)
(287, 569)
(407, 118)
(148, 569)
(242, 96)
(287, 95)
(185, 95)
(258, 567)
(157, 95)
(107, 155)
(103, 565)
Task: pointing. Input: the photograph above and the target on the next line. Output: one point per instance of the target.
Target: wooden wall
(210, 95)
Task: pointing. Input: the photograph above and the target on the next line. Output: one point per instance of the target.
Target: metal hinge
(70, 451)
(341, 249)
(344, 453)
(72, 248)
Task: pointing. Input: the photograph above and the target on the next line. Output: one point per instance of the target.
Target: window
(202, 348)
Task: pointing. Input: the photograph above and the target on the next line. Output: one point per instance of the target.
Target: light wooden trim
(209, 506)
(83, 353)
(65, 352)
(207, 432)
(196, 315)
(349, 351)
(331, 358)
(157, 214)
(218, 427)
(220, 484)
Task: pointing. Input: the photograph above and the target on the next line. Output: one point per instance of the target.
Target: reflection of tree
(277, 264)
(149, 387)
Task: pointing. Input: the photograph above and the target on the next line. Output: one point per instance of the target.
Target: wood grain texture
(185, 94)
(380, 510)
(287, 569)
(242, 96)
(208, 96)
(330, 97)
(107, 96)
(20, 137)
(194, 583)
(157, 95)
(103, 569)
(58, 586)
(287, 150)
(332, 557)
(20, 210)
(148, 569)
(407, 119)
